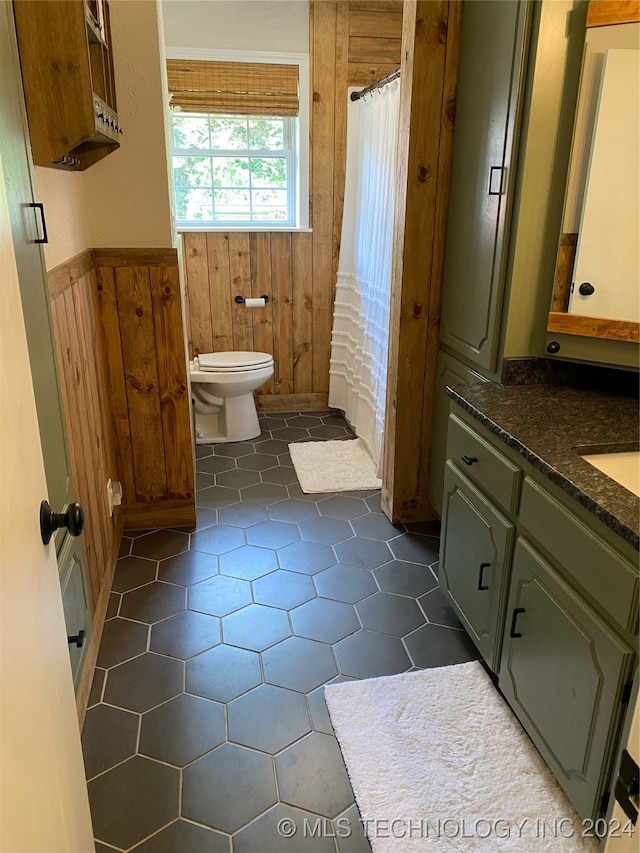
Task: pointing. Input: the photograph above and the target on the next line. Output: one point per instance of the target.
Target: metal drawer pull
(483, 566)
(469, 460)
(39, 206)
(513, 633)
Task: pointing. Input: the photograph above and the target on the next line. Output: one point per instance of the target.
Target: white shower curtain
(360, 336)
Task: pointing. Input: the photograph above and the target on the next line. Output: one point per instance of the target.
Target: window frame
(302, 165)
(287, 153)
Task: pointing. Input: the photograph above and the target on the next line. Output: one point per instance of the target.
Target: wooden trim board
(604, 13)
(593, 327)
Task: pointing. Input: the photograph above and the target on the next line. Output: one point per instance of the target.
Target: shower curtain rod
(355, 96)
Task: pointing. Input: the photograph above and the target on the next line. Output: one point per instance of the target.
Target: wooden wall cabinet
(67, 72)
(557, 621)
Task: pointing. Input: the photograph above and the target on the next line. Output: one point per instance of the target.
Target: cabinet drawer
(606, 576)
(483, 464)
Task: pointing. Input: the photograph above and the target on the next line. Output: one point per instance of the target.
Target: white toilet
(222, 386)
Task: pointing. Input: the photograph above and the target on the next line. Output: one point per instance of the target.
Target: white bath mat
(438, 762)
(333, 466)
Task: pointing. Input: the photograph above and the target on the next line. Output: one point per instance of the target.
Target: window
(234, 169)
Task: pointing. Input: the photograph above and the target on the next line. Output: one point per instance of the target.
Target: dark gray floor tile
(438, 610)
(273, 447)
(296, 492)
(407, 579)
(363, 553)
(376, 525)
(342, 508)
(132, 572)
(217, 497)
(144, 682)
(183, 729)
(306, 557)
(294, 511)
(125, 546)
(205, 517)
(242, 515)
(283, 475)
(390, 614)
(415, 548)
(329, 531)
(374, 502)
(121, 639)
(426, 528)
(248, 790)
(329, 432)
(258, 462)
(434, 645)
(153, 602)
(188, 568)
(239, 478)
(255, 627)
(368, 654)
(219, 596)
(133, 800)
(345, 583)
(223, 673)
(248, 562)
(304, 421)
(283, 589)
(203, 481)
(268, 834)
(299, 664)
(217, 540)
(160, 544)
(203, 450)
(324, 620)
(311, 775)
(97, 683)
(350, 832)
(109, 736)
(103, 848)
(234, 449)
(185, 635)
(215, 464)
(265, 494)
(268, 718)
(290, 434)
(272, 534)
(184, 837)
(114, 605)
(269, 422)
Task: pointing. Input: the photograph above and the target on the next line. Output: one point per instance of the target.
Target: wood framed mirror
(597, 284)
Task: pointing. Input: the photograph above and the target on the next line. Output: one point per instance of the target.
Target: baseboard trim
(168, 513)
(291, 402)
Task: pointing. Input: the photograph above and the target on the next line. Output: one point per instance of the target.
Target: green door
(490, 80)
(26, 228)
(563, 671)
(474, 553)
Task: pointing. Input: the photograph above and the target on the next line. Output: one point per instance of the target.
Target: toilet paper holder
(241, 299)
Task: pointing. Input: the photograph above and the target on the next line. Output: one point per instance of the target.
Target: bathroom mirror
(597, 285)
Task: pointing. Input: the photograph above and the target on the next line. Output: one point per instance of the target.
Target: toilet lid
(233, 360)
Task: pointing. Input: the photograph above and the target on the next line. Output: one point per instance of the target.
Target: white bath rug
(333, 466)
(438, 762)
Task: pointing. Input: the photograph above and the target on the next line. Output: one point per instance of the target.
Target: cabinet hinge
(626, 692)
(604, 802)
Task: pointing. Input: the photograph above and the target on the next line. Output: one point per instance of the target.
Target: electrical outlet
(114, 494)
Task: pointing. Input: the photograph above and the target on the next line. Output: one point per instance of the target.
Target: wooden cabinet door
(482, 180)
(474, 553)
(563, 671)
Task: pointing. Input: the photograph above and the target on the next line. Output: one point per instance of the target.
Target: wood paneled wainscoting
(119, 336)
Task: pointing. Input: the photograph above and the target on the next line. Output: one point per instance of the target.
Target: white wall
(67, 226)
(279, 26)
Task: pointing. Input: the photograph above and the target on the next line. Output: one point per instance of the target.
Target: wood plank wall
(138, 296)
(351, 44)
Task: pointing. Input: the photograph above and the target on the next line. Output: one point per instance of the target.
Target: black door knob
(72, 518)
(586, 288)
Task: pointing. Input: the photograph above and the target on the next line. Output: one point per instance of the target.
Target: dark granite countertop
(551, 426)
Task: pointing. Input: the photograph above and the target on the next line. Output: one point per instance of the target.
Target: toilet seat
(232, 362)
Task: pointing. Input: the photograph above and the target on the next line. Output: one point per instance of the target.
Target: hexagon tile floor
(207, 724)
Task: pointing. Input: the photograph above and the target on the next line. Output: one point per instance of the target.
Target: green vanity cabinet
(472, 568)
(563, 672)
(549, 596)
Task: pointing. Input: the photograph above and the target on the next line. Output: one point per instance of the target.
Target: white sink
(623, 467)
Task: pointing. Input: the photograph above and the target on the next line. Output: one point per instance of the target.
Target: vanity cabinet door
(475, 550)
(563, 672)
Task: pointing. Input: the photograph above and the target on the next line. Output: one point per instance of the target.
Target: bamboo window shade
(239, 88)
